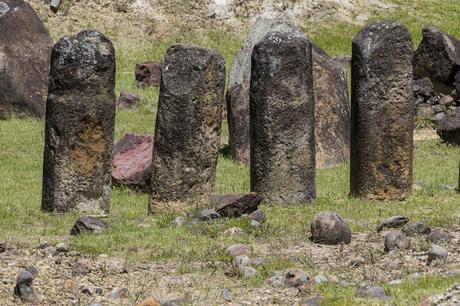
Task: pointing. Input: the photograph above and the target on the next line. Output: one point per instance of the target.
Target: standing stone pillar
(382, 111)
(80, 119)
(282, 119)
(188, 124)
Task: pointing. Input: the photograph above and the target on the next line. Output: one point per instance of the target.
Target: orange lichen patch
(90, 146)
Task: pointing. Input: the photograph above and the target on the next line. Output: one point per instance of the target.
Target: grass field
(136, 236)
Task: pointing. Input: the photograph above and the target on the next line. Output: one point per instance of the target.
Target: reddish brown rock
(25, 58)
(80, 120)
(132, 161)
(127, 100)
(148, 74)
(234, 206)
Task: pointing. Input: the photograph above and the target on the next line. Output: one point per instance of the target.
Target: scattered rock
(149, 302)
(208, 215)
(417, 228)
(254, 223)
(436, 252)
(357, 262)
(227, 295)
(88, 225)
(234, 206)
(241, 261)
(238, 249)
(120, 293)
(258, 216)
(234, 231)
(311, 301)
(148, 74)
(374, 292)
(128, 100)
(33, 271)
(297, 278)
(247, 272)
(393, 222)
(24, 289)
(178, 221)
(396, 240)
(439, 235)
(62, 247)
(329, 228)
(449, 128)
(82, 266)
(43, 245)
(132, 160)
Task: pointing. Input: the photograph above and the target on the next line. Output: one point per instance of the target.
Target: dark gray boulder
(234, 206)
(80, 121)
(282, 119)
(449, 128)
(88, 225)
(25, 60)
(395, 240)
(382, 113)
(188, 124)
(393, 222)
(330, 228)
(24, 289)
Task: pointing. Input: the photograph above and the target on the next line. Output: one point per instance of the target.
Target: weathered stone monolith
(282, 119)
(80, 125)
(332, 126)
(382, 110)
(25, 49)
(188, 124)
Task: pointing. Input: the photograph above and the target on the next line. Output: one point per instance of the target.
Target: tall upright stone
(331, 94)
(80, 121)
(382, 111)
(188, 124)
(25, 49)
(282, 119)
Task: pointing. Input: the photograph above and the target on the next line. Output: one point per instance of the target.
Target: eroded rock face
(148, 74)
(188, 124)
(382, 112)
(25, 48)
(438, 58)
(282, 119)
(449, 128)
(332, 115)
(80, 122)
(331, 93)
(132, 161)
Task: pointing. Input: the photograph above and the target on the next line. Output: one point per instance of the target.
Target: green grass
(136, 235)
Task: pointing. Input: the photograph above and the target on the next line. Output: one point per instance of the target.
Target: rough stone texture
(187, 131)
(449, 128)
(395, 240)
(88, 224)
(417, 228)
(24, 289)
(80, 121)
(237, 96)
(148, 74)
(234, 206)
(25, 58)
(332, 115)
(331, 94)
(330, 228)
(438, 58)
(127, 100)
(382, 111)
(132, 161)
(282, 119)
(392, 222)
(297, 278)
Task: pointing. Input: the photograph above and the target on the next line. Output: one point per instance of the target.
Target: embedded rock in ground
(332, 115)
(417, 228)
(439, 235)
(382, 113)
(239, 83)
(449, 128)
(396, 240)
(437, 58)
(393, 222)
(297, 278)
(375, 292)
(329, 228)
(282, 119)
(132, 161)
(88, 224)
(79, 129)
(24, 289)
(234, 206)
(25, 59)
(127, 100)
(237, 250)
(148, 74)
(208, 215)
(188, 125)
(436, 252)
(258, 216)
